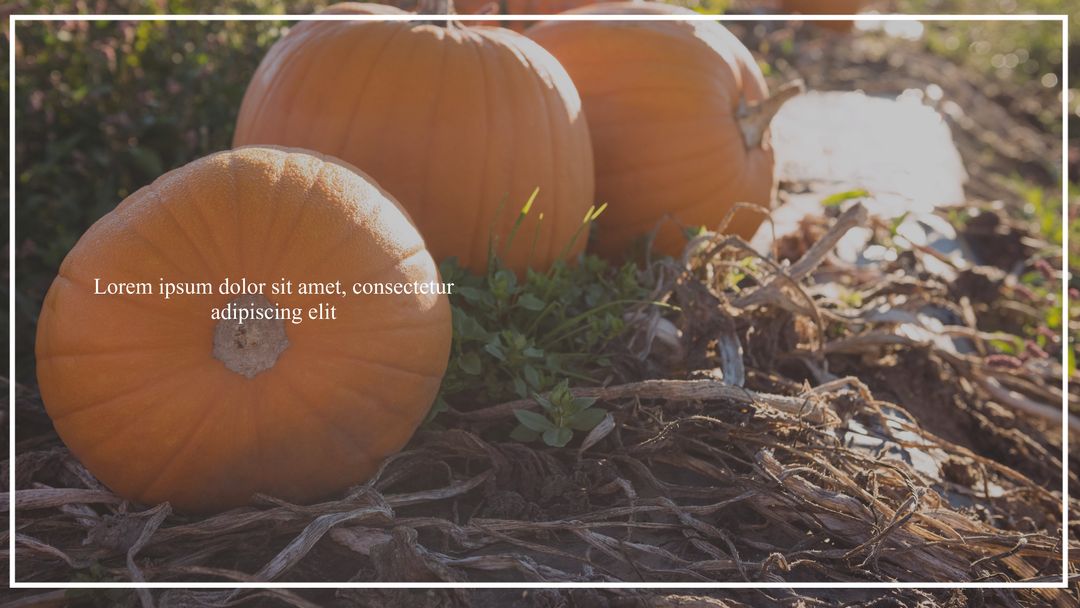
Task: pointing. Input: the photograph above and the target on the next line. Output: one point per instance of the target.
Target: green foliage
(513, 338)
(562, 414)
(1043, 209)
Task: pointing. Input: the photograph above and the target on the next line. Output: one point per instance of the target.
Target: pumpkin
(163, 403)
(461, 124)
(678, 113)
(825, 7)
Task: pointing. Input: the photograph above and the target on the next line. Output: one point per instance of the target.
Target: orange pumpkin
(677, 115)
(164, 403)
(825, 7)
(461, 124)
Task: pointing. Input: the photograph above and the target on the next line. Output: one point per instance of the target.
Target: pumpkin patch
(163, 403)
(409, 331)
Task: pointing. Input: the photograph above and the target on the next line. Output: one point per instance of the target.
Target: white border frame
(15, 19)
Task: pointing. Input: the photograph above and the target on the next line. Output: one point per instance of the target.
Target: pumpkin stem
(754, 119)
(253, 346)
(437, 7)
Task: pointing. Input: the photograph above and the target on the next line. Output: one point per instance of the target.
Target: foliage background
(104, 108)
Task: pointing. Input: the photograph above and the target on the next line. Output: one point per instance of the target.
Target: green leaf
(495, 349)
(834, 200)
(523, 434)
(581, 403)
(586, 420)
(470, 364)
(532, 376)
(520, 388)
(534, 421)
(467, 327)
(472, 294)
(531, 302)
(544, 402)
(558, 437)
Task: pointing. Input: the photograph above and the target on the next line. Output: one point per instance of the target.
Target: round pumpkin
(163, 403)
(677, 114)
(461, 124)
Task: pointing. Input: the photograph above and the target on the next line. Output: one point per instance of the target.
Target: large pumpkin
(461, 124)
(677, 116)
(161, 402)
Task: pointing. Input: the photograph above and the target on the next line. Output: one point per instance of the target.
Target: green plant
(513, 337)
(562, 414)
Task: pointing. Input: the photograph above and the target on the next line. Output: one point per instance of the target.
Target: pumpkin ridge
(395, 262)
(364, 89)
(326, 419)
(371, 401)
(712, 149)
(116, 433)
(514, 143)
(432, 123)
(385, 328)
(218, 251)
(344, 442)
(381, 328)
(237, 207)
(343, 148)
(133, 228)
(124, 351)
(301, 209)
(348, 237)
(281, 210)
(131, 300)
(406, 256)
(298, 90)
(257, 111)
(152, 382)
(648, 88)
(477, 224)
(274, 181)
(553, 211)
(185, 445)
(385, 366)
